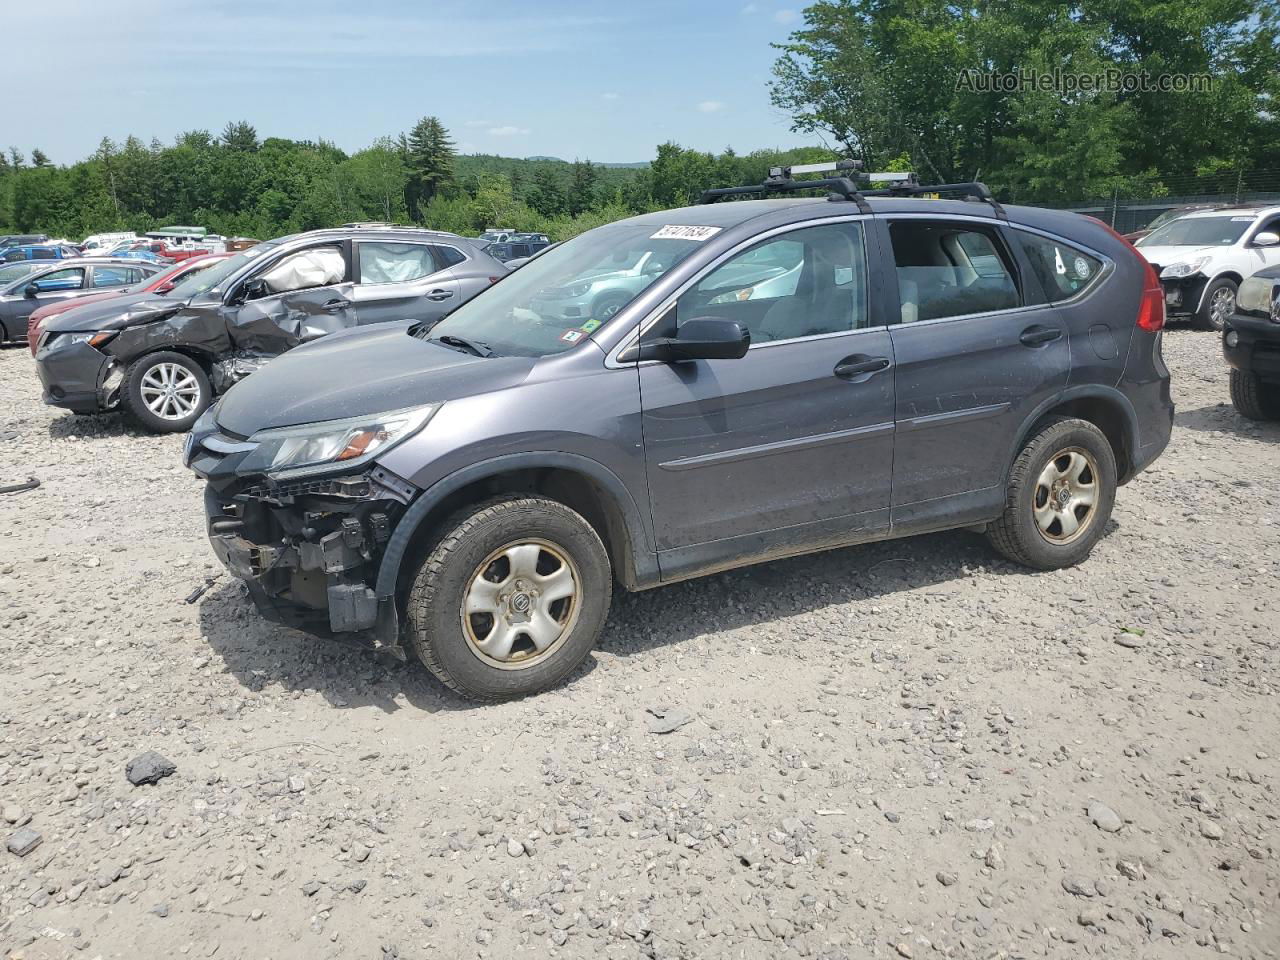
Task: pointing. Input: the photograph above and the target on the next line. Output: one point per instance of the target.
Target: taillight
(1151, 306)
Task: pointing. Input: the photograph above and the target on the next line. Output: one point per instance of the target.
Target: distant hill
(639, 165)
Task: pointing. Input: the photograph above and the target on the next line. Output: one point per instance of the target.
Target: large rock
(149, 767)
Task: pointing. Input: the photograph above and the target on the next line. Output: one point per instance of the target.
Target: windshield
(554, 301)
(206, 281)
(1198, 232)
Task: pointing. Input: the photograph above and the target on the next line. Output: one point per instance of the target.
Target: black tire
(606, 305)
(1017, 534)
(134, 404)
(434, 606)
(1252, 398)
(1205, 319)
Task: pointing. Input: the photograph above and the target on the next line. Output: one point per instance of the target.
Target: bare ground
(894, 749)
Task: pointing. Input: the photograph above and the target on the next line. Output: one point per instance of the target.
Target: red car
(160, 284)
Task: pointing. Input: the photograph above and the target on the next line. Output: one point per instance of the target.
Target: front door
(791, 446)
(402, 280)
(977, 350)
(299, 297)
(66, 283)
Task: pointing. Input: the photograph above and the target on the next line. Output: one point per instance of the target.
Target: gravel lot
(911, 749)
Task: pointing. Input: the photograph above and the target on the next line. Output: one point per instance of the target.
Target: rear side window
(115, 276)
(44, 253)
(1063, 271)
(395, 262)
(448, 256)
(951, 270)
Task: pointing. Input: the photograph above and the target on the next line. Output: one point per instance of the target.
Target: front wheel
(1252, 398)
(511, 599)
(166, 392)
(1061, 491)
(1219, 304)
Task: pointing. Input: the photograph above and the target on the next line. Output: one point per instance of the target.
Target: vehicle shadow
(1222, 418)
(88, 426)
(261, 654)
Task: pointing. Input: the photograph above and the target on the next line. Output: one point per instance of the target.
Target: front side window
(44, 253)
(395, 262)
(560, 297)
(305, 270)
(804, 283)
(1063, 271)
(1198, 232)
(72, 278)
(950, 270)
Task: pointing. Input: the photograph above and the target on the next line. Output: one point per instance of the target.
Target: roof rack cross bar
(842, 188)
(975, 188)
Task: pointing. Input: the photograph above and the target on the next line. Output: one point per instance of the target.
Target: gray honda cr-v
(800, 374)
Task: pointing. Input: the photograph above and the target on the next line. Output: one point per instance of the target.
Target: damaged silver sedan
(163, 359)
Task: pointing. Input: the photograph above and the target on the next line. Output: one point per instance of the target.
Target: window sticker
(572, 336)
(1082, 268)
(675, 232)
(1242, 219)
(1058, 265)
(591, 325)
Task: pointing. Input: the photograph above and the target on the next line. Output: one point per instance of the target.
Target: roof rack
(846, 187)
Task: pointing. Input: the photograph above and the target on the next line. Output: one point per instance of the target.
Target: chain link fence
(1127, 213)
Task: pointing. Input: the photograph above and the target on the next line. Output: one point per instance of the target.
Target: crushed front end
(307, 546)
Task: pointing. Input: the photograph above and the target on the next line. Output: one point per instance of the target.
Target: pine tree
(547, 196)
(582, 187)
(16, 159)
(240, 136)
(429, 158)
(40, 159)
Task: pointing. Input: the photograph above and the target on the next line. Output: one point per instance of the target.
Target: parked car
(158, 284)
(1172, 214)
(22, 240)
(519, 246)
(1251, 345)
(101, 242)
(38, 252)
(472, 490)
(22, 268)
(495, 235)
(66, 280)
(1203, 257)
(164, 360)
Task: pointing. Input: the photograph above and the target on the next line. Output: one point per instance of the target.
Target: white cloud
(710, 106)
(507, 131)
(608, 96)
(477, 123)
(786, 16)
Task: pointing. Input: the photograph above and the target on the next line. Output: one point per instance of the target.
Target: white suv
(1203, 257)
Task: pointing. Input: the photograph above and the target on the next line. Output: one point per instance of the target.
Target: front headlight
(579, 289)
(1186, 269)
(92, 339)
(285, 452)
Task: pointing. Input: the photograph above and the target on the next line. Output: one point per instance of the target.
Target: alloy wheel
(170, 391)
(521, 603)
(1066, 495)
(1221, 306)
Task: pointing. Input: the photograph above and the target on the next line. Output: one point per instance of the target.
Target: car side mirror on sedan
(1266, 239)
(165, 287)
(30, 291)
(254, 290)
(700, 338)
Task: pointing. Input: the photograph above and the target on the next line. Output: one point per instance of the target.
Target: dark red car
(161, 283)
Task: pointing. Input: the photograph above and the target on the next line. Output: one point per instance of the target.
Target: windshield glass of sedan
(205, 281)
(1199, 232)
(566, 293)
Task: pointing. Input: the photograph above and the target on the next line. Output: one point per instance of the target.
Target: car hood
(359, 372)
(113, 314)
(1165, 255)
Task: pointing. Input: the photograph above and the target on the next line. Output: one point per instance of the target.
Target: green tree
(429, 155)
(240, 136)
(547, 195)
(39, 158)
(582, 187)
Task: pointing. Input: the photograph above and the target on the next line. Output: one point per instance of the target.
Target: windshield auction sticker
(697, 234)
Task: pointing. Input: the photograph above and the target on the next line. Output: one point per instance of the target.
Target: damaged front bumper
(76, 376)
(308, 550)
(1182, 294)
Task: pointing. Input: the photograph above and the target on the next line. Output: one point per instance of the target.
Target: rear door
(790, 446)
(401, 280)
(977, 349)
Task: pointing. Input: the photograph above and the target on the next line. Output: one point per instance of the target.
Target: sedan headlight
(579, 289)
(91, 338)
(308, 448)
(1185, 269)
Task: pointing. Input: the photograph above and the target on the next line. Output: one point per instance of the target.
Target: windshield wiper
(471, 346)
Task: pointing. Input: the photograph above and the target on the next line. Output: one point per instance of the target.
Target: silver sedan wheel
(1221, 305)
(1066, 495)
(170, 391)
(521, 603)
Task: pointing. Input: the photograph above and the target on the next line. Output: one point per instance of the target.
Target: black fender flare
(1087, 391)
(643, 561)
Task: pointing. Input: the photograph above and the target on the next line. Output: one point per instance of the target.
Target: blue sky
(614, 78)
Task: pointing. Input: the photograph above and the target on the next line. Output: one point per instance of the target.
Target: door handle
(1036, 335)
(855, 366)
(337, 304)
(439, 295)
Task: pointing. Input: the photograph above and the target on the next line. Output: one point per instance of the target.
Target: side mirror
(255, 289)
(702, 338)
(31, 290)
(165, 287)
(1266, 239)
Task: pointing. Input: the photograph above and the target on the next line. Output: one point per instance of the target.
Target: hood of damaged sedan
(115, 313)
(357, 372)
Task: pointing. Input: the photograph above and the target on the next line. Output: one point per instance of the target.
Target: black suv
(791, 375)
(1251, 344)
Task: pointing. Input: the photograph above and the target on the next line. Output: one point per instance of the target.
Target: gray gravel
(910, 749)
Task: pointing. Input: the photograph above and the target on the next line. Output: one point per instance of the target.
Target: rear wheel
(1254, 398)
(1061, 491)
(511, 599)
(1219, 304)
(166, 392)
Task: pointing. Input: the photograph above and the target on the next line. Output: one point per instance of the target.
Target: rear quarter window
(1063, 270)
